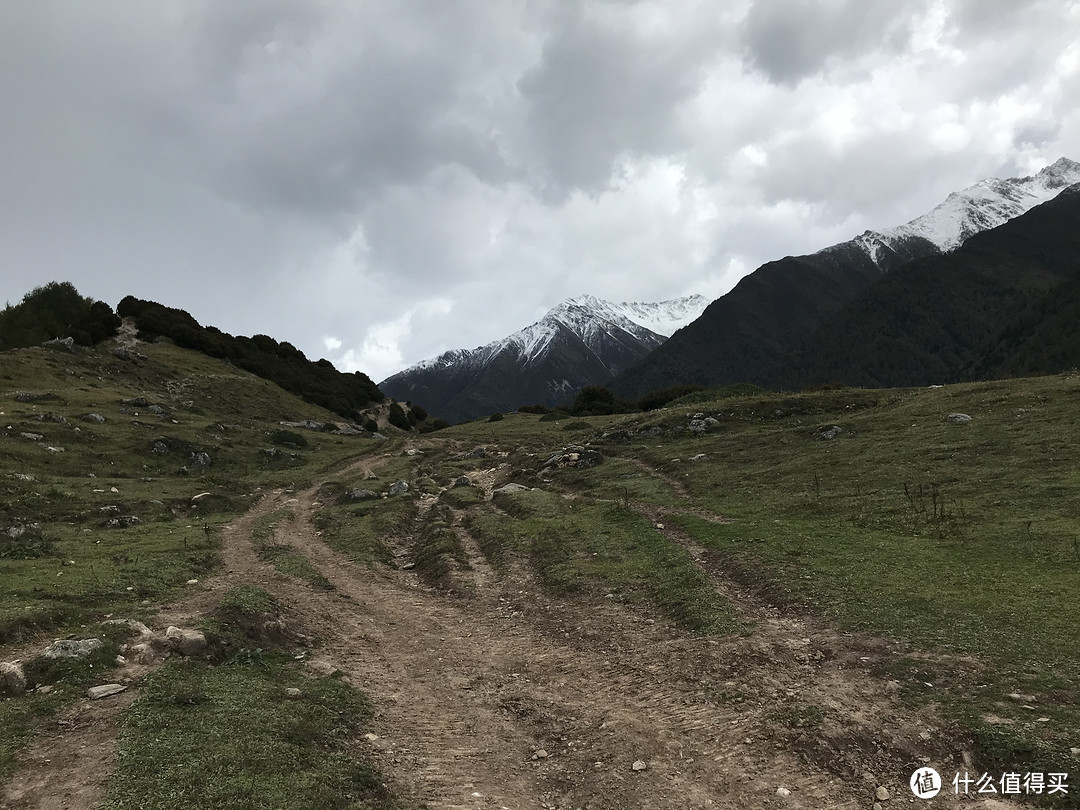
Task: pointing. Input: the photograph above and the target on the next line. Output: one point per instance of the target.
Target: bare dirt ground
(504, 698)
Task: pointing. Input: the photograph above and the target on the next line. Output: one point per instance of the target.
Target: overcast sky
(379, 181)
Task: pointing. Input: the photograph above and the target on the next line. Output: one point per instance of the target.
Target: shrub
(658, 399)
(595, 400)
(419, 411)
(439, 424)
(56, 310)
(495, 417)
(538, 408)
(397, 417)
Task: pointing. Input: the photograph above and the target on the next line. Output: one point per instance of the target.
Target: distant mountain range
(767, 330)
(581, 341)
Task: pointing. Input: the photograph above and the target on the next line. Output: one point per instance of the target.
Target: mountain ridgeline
(582, 341)
(888, 308)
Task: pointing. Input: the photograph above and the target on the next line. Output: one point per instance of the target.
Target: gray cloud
(789, 40)
(411, 177)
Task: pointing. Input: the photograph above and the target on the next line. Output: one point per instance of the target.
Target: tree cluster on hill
(317, 382)
(56, 310)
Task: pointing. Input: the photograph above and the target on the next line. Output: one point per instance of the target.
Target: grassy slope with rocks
(90, 441)
(957, 540)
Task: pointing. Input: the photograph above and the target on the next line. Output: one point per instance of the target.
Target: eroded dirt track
(505, 698)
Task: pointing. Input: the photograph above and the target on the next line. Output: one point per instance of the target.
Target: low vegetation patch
(586, 547)
(233, 736)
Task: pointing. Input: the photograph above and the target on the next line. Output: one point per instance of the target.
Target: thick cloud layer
(377, 182)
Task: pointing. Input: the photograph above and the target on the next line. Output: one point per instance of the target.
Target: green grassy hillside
(956, 540)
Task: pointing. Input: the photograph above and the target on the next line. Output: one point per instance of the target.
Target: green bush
(658, 399)
(595, 400)
(495, 417)
(419, 411)
(397, 417)
(56, 310)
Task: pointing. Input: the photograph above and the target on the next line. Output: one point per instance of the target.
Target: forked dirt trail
(507, 699)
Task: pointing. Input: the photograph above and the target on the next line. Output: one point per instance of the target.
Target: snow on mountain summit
(590, 318)
(977, 208)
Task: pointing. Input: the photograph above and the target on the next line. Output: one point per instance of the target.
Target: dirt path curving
(507, 698)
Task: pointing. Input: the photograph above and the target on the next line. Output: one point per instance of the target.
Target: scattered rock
(200, 459)
(95, 418)
(540, 753)
(574, 456)
(66, 344)
(34, 437)
(697, 426)
(192, 582)
(957, 418)
(699, 457)
(132, 624)
(360, 495)
(188, 643)
(29, 396)
(399, 488)
(136, 402)
(463, 481)
(711, 421)
(827, 433)
(348, 430)
(49, 417)
(12, 679)
(105, 690)
(292, 693)
(783, 792)
(476, 452)
(1021, 698)
(159, 448)
(123, 522)
(69, 648)
(130, 356)
(509, 489)
(638, 765)
(882, 793)
(377, 435)
(309, 424)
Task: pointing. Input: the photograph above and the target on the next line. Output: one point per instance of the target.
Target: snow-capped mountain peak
(977, 208)
(581, 340)
(586, 316)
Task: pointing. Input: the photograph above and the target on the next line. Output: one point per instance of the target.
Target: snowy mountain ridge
(586, 316)
(977, 208)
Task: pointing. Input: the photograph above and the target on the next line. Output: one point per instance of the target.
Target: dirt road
(507, 699)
